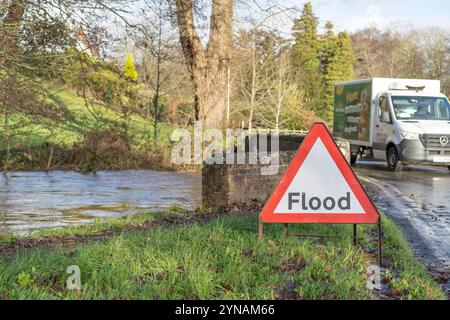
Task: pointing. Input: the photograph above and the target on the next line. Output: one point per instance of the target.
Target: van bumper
(414, 152)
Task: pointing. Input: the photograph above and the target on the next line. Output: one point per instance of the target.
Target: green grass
(219, 260)
(69, 132)
(96, 226)
(412, 280)
(7, 238)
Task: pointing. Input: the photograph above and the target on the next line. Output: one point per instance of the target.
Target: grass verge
(216, 259)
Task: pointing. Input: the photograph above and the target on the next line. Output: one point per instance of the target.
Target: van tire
(354, 158)
(393, 160)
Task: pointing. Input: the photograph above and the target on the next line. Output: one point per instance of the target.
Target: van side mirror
(386, 117)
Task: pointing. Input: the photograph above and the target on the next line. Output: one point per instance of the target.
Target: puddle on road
(427, 188)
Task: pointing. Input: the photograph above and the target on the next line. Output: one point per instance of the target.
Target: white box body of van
(398, 120)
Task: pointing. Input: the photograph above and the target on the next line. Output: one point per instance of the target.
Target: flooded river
(34, 200)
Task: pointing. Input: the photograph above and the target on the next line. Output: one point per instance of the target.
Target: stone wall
(224, 185)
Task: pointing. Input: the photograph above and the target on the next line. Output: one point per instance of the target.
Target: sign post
(319, 187)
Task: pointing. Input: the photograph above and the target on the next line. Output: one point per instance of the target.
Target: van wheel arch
(393, 158)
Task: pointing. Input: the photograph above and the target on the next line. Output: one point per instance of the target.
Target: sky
(356, 14)
(352, 15)
(346, 15)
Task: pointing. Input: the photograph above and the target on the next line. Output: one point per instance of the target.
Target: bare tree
(435, 44)
(414, 53)
(284, 99)
(10, 28)
(208, 66)
(158, 56)
(252, 71)
(37, 38)
(155, 42)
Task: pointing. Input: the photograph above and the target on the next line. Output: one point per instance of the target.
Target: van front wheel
(354, 158)
(393, 160)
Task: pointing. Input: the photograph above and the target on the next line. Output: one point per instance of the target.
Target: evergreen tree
(328, 45)
(329, 29)
(305, 57)
(337, 58)
(306, 45)
(320, 61)
(129, 69)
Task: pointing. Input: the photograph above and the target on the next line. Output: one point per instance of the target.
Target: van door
(384, 128)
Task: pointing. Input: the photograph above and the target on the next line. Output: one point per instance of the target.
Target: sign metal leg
(260, 231)
(379, 243)
(355, 238)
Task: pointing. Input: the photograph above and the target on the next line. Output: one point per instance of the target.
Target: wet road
(418, 200)
(35, 200)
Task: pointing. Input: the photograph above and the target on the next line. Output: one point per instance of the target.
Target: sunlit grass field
(83, 117)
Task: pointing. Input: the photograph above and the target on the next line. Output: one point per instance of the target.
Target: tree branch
(190, 41)
(220, 37)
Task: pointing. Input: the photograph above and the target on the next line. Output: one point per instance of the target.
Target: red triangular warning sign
(319, 187)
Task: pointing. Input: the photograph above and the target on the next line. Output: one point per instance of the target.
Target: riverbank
(190, 255)
(83, 157)
(88, 138)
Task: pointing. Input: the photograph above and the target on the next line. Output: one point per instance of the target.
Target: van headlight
(409, 135)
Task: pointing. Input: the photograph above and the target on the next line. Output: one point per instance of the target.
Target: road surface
(418, 200)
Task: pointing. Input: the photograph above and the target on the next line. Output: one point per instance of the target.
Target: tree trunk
(155, 119)
(280, 91)
(253, 90)
(10, 28)
(7, 137)
(279, 100)
(211, 93)
(50, 159)
(6, 163)
(228, 96)
(158, 83)
(208, 67)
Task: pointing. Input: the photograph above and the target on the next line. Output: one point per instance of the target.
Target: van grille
(432, 141)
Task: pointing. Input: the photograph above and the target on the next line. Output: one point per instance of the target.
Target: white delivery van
(401, 121)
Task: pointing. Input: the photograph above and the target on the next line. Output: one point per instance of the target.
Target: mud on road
(418, 200)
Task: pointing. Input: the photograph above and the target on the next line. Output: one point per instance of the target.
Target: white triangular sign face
(319, 187)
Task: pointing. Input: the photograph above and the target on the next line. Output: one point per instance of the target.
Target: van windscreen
(421, 108)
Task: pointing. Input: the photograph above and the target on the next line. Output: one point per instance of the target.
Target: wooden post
(286, 229)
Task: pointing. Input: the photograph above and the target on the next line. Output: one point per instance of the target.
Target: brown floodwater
(37, 200)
